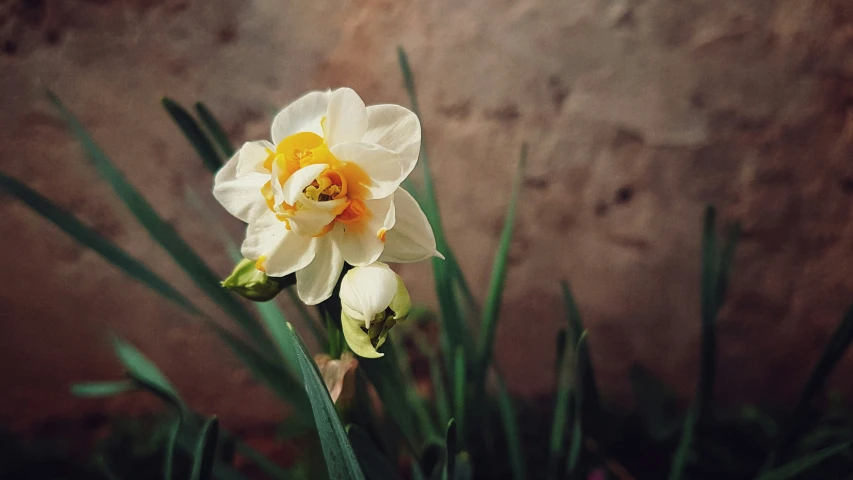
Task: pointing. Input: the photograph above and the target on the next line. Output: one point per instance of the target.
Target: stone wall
(637, 112)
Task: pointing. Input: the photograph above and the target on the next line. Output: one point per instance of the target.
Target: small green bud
(254, 284)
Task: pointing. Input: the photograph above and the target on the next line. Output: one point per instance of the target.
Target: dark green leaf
(215, 129)
(143, 370)
(94, 240)
(803, 464)
(205, 452)
(450, 450)
(171, 445)
(340, 458)
(707, 374)
(194, 134)
(509, 420)
(682, 452)
(561, 407)
(489, 326)
(581, 366)
(459, 389)
(165, 234)
(588, 385)
(102, 389)
(373, 463)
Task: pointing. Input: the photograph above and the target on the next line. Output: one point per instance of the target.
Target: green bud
(254, 284)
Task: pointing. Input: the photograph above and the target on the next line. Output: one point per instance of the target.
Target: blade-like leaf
(682, 452)
(509, 420)
(588, 385)
(802, 465)
(459, 390)
(373, 463)
(838, 345)
(205, 452)
(561, 409)
(194, 134)
(215, 129)
(164, 233)
(281, 381)
(143, 370)
(388, 382)
(340, 458)
(707, 374)
(102, 389)
(655, 404)
(171, 445)
(454, 332)
(450, 444)
(94, 240)
(498, 280)
(581, 359)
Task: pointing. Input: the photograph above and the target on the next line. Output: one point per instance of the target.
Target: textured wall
(638, 113)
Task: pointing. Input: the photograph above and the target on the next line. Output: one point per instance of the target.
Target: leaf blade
(193, 133)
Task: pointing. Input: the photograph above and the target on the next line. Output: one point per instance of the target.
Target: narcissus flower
(326, 191)
(373, 300)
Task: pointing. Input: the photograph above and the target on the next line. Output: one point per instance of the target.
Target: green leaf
(386, 378)
(834, 351)
(143, 370)
(164, 233)
(509, 421)
(561, 408)
(171, 445)
(215, 129)
(205, 452)
(581, 366)
(278, 379)
(454, 332)
(373, 463)
(308, 319)
(90, 238)
(461, 383)
(436, 376)
(498, 280)
(340, 458)
(803, 464)
(450, 444)
(194, 134)
(708, 365)
(682, 452)
(588, 385)
(102, 389)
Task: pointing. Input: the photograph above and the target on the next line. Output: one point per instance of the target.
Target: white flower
(326, 191)
(373, 300)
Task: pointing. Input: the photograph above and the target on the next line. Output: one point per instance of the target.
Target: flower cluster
(326, 191)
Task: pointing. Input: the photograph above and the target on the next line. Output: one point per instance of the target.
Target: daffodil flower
(326, 191)
(373, 300)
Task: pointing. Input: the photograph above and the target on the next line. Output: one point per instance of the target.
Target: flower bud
(254, 284)
(373, 300)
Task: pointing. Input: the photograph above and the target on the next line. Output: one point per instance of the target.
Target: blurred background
(638, 113)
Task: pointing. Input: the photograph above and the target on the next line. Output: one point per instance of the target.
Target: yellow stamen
(381, 234)
(260, 263)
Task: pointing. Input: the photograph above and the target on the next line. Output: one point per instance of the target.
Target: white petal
(361, 244)
(241, 196)
(294, 252)
(303, 115)
(291, 191)
(252, 156)
(315, 282)
(397, 129)
(368, 290)
(263, 235)
(380, 164)
(346, 117)
(309, 222)
(411, 239)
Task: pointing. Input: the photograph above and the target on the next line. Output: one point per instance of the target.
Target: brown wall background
(638, 113)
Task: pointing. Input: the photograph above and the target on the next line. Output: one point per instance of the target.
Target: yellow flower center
(341, 180)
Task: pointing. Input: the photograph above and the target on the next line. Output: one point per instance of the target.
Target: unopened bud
(254, 284)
